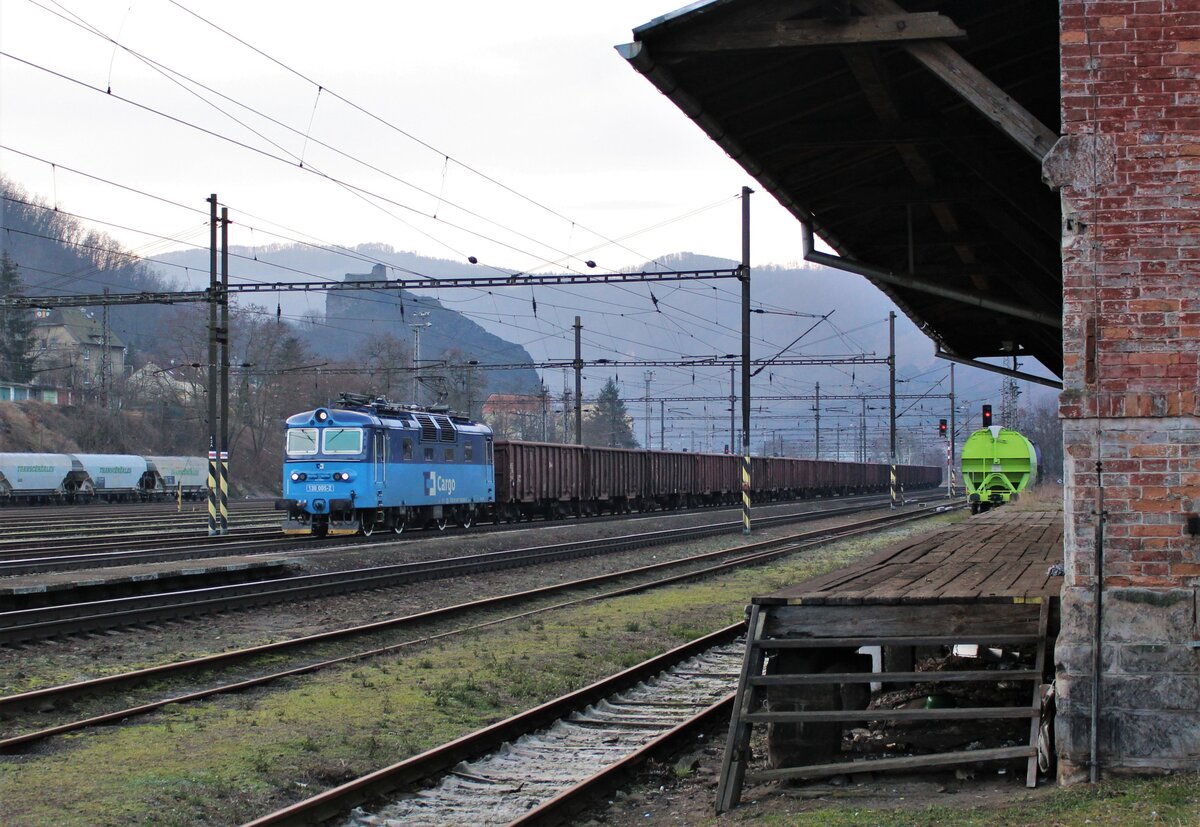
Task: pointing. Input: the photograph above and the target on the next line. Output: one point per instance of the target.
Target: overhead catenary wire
(175, 76)
(410, 136)
(545, 304)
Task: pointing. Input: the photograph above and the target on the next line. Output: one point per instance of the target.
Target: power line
(360, 191)
(445, 155)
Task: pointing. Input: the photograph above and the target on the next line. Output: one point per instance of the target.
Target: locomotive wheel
(440, 523)
(366, 528)
(466, 519)
(398, 526)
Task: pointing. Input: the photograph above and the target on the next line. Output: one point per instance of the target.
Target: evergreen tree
(16, 327)
(609, 423)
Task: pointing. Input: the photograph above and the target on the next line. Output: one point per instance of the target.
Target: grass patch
(1044, 497)
(1173, 801)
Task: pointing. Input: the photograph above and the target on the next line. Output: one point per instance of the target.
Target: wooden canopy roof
(908, 137)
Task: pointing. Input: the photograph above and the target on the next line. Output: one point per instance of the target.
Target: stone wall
(1128, 170)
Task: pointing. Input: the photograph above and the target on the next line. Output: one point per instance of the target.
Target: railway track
(256, 532)
(531, 768)
(301, 650)
(50, 621)
(100, 515)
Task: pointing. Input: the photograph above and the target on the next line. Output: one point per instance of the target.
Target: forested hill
(344, 324)
(57, 255)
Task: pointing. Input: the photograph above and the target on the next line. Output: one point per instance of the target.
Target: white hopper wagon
(115, 476)
(41, 477)
(179, 476)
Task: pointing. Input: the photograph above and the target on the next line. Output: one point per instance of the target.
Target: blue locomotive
(368, 464)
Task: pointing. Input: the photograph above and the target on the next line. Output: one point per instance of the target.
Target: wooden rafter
(882, 28)
(974, 87)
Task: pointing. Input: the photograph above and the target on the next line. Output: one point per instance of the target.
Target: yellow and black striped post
(745, 493)
(224, 492)
(892, 485)
(212, 494)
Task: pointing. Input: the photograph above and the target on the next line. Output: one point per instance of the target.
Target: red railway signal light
(987, 416)
(942, 428)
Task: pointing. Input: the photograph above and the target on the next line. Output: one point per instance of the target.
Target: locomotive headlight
(295, 476)
(344, 476)
(322, 416)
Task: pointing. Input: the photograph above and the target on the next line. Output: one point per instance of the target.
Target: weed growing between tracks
(231, 759)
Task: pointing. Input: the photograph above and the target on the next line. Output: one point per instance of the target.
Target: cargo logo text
(435, 485)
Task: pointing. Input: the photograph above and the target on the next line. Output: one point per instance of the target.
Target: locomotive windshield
(343, 441)
(302, 441)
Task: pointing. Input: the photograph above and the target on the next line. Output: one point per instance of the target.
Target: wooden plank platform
(1002, 556)
(985, 581)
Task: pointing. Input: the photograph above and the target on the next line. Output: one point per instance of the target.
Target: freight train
(79, 478)
(366, 465)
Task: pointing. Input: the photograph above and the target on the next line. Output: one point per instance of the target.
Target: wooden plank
(1039, 665)
(885, 584)
(1037, 582)
(968, 585)
(822, 622)
(1001, 583)
(737, 744)
(883, 28)
(969, 713)
(908, 762)
(990, 560)
(930, 586)
(888, 640)
(804, 679)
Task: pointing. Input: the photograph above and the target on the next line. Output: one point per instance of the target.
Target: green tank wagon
(997, 465)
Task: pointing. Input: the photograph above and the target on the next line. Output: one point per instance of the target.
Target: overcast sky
(446, 99)
(532, 94)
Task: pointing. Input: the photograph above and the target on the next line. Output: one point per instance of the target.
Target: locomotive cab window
(408, 448)
(302, 441)
(343, 441)
(448, 454)
(429, 455)
(468, 451)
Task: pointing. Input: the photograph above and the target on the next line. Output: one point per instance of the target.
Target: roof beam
(813, 134)
(974, 87)
(1015, 374)
(900, 27)
(967, 297)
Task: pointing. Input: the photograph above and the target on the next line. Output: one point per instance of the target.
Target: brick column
(1128, 169)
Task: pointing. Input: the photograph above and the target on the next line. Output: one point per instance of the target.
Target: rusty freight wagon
(553, 480)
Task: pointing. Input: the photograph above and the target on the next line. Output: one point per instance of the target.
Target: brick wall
(1128, 170)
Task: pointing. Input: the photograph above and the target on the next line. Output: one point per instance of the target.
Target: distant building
(21, 392)
(152, 383)
(512, 404)
(529, 416)
(74, 350)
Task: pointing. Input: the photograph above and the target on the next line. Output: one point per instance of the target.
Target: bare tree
(385, 359)
(1040, 423)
